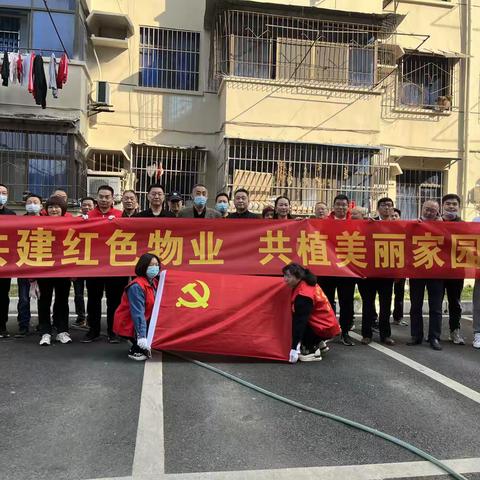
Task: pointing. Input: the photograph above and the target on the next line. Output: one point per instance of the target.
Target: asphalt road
(72, 412)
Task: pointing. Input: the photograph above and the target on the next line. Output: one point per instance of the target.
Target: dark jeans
(368, 290)
(113, 288)
(454, 288)
(79, 299)
(345, 287)
(435, 290)
(399, 295)
(23, 305)
(4, 301)
(47, 286)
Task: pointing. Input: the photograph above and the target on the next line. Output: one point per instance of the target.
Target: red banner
(222, 314)
(36, 247)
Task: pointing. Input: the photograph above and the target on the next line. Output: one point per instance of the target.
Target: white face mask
(3, 199)
(33, 208)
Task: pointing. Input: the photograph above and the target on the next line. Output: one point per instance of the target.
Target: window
(9, 33)
(169, 59)
(44, 36)
(40, 163)
(258, 45)
(416, 186)
(426, 81)
(306, 173)
(177, 169)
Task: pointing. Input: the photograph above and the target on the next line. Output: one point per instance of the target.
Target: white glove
(293, 356)
(111, 217)
(34, 290)
(84, 216)
(142, 343)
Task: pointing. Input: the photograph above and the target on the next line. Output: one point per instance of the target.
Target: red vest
(122, 323)
(322, 319)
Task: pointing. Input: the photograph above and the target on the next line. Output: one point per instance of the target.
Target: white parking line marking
(448, 382)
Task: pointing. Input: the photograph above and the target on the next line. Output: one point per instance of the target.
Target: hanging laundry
(13, 67)
(39, 82)
(62, 74)
(52, 76)
(19, 69)
(5, 69)
(30, 72)
(26, 70)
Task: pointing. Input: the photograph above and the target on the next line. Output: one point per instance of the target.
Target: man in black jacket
(156, 199)
(451, 213)
(4, 282)
(241, 200)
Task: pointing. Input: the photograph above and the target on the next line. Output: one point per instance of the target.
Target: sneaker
(46, 339)
(80, 323)
(456, 337)
(308, 356)
(476, 340)
(113, 338)
(22, 332)
(4, 334)
(347, 340)
(366, 340)
(324, 348)
(63, 337)
(90, 337)
(388, 341)
(137, 356)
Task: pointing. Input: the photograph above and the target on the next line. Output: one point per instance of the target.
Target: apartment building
(307, 98)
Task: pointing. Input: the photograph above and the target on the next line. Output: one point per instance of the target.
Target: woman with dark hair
(268, 212)
(313, 320)
(282, 208)
(54, 207)
(135, 310)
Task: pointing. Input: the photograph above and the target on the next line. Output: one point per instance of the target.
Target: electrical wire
(331, 416)
(55, 26)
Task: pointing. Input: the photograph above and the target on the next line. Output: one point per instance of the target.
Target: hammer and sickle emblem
(200, 300)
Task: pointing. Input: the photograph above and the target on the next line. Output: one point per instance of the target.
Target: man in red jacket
(113, 286)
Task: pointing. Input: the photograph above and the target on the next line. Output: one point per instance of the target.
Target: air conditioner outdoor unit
(93, 182)
(103, 92)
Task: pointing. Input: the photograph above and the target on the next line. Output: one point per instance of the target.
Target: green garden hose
(331, 416)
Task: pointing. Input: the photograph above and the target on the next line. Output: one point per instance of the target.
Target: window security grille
(177, 169)
(106, 161)
(301, 50)
(9, 34)
(306, 173)
(169, 59)
(416, 186)
(426, 82)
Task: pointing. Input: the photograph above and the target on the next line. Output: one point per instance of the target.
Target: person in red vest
(313, 320)
(135, 310)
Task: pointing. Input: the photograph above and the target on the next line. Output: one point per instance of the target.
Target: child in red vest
(135, 310)
(313, 319)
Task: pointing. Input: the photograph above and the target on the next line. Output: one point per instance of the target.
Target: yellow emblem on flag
(199, 299)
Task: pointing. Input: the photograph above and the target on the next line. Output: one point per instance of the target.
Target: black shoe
(388, 341)
(4, 334)
(112, 338)
(90, 337)
(22, 333)
(347, 340)
(415, 341)
(435, 344)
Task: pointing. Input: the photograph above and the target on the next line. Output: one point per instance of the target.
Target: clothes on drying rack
(5, 72)
(39, 82)
(52, 76)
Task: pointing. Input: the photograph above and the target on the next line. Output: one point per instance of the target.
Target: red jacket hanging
(30, 73)
(62, 74)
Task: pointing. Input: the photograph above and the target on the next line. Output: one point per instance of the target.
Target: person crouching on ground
(135, 310)
(313, 320)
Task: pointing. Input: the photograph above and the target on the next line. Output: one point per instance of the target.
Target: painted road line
(149, 457)
(448, 382)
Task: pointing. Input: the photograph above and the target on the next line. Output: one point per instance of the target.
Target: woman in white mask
(27, 286)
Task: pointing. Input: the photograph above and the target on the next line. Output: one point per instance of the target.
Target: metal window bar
(306, 173)
(427, 82)
(177, 169)
(106, 161)
(9, 41)
(299, 50)
(169, 59)
(415, 187)
(41, 162)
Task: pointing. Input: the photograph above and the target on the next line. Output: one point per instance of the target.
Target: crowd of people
(160, 204)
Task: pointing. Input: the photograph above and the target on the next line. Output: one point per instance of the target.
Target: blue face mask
(3, 199)
(153, 271)
(200, 201)
(221, 207)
